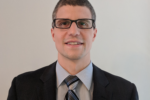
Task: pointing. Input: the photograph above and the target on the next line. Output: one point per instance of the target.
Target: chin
(74, 57)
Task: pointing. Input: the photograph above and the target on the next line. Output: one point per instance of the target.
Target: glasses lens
(62, 23)
(84, 23)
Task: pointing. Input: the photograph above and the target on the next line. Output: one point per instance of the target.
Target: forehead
(73, 12)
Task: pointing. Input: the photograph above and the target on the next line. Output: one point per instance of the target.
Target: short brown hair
(85, 3)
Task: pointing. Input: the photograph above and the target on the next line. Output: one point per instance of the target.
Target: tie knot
(71, 82)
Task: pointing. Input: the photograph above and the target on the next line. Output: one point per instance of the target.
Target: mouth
(74, 44)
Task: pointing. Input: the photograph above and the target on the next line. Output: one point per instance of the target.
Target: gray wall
(122, 45)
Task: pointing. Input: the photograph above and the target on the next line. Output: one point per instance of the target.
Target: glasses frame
(54, 25)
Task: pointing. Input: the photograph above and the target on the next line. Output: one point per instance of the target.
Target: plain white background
(122, 45)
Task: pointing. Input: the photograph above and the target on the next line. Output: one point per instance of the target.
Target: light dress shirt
(84, 89)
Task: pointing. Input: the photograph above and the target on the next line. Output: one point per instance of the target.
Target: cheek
(56, 36)
(89, 38)
(88, 42)
(58, 40)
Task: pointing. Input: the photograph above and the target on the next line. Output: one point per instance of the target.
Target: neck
(74, 66)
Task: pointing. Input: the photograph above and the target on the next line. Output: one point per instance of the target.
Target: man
(72, 76)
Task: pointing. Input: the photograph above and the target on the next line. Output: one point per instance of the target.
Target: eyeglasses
(66, 23)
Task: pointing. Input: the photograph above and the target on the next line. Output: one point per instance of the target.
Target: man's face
(66, 39)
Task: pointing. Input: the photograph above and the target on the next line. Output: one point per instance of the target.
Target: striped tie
(71, 82)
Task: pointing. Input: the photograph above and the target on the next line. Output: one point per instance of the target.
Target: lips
(74, 43)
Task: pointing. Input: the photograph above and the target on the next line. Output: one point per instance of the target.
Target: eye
(63, 23)
(82, 23)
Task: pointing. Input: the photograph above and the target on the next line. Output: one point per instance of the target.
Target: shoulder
(28, 79)
(121, 86)
(113, 79)
(118, 85)
(32, 76)
(26, 84)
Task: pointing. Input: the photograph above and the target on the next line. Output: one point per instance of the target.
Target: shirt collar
(85, 75)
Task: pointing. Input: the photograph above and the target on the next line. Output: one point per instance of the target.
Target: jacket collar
(100, 91)
(48, 91)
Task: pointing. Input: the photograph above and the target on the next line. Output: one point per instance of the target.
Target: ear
(52, 33)
(94, 35)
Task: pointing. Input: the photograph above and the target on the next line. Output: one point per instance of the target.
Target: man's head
(74, 42)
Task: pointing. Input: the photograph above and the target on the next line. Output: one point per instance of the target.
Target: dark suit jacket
(41, 85)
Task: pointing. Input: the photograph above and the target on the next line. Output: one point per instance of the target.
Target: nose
(73, 30)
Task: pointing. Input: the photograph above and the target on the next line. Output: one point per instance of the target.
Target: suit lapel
(100, 91)
(48, 90)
